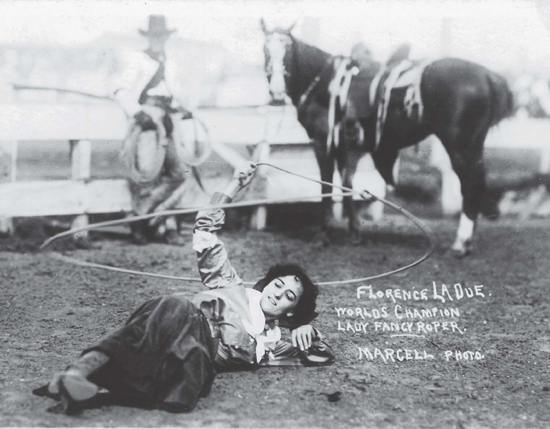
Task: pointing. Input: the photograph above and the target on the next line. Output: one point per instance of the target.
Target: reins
(305, 97)
(347, 192)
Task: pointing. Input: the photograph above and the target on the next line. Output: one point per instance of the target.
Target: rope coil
(130, 153)
(159, 141)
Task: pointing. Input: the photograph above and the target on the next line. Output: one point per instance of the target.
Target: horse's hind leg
(467, 161)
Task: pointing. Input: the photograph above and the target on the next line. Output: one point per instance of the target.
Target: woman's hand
(245, 174)
(303, 337)
(241, 179)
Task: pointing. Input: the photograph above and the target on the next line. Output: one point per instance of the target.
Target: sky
(498, 33)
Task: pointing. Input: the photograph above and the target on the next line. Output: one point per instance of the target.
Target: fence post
(258, 220)
(81, 159)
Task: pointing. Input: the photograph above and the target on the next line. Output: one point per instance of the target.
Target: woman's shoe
(74, 389)
(45, 391)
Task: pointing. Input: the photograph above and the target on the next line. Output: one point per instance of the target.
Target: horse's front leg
(347, 165)
(354, 223)
(326, 168)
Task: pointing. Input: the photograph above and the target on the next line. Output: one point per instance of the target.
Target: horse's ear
(291, 27)
(263, 26)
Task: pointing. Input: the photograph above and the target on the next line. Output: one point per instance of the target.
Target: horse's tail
(502, 99)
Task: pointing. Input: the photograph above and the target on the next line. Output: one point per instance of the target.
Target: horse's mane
(316, 54)
(308, 62)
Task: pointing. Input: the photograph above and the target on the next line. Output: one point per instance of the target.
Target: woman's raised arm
(214, 267)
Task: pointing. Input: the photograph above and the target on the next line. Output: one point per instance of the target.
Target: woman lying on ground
(167, 354)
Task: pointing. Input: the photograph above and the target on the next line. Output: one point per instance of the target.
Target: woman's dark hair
(304, 311)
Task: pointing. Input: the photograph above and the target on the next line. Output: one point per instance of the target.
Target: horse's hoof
(83, 242)
(461, 250)
(459, 254)
(355, 238)
(322, 239)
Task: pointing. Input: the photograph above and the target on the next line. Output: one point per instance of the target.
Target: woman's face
(280, 296)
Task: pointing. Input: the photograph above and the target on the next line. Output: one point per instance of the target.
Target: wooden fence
(230, 131)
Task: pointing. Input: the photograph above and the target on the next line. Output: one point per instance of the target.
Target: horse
(461, 101)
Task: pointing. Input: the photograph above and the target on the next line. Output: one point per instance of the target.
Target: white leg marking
(464, 236)
(465, 228)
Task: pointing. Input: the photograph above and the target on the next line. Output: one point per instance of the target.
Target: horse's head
(277, 51)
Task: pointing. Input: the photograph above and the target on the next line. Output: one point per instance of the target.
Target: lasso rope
(366, 195)
(180, 212)
(347, 192)
(183, 155)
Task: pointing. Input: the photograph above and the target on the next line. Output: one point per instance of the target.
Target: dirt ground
(50, 310)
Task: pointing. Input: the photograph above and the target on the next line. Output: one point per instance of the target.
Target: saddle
(406, 74)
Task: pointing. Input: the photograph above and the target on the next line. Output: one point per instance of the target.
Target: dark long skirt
(163, 356)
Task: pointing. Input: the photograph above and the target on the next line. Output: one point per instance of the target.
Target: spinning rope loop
(347, 192)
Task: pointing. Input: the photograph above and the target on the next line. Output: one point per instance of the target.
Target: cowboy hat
(157, 27)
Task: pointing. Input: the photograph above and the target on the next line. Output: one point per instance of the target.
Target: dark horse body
(461, 101)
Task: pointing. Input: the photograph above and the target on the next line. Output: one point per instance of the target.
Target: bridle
(305, 98)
